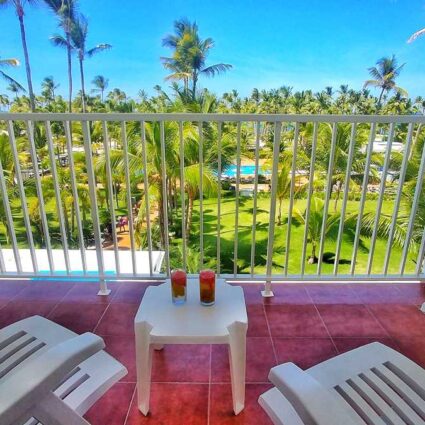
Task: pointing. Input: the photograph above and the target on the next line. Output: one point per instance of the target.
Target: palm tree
(19, 7)
(283, 189)
(15, 88)
(190, 54)
(9, 62)
(192, 180)
(65, 10)
(4, 101)
(384, 76)
(314, 225)
(49, 86)
(101, 83)
(77, 44)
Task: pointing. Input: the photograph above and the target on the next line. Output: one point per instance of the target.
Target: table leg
(144, 351)
(237, 359)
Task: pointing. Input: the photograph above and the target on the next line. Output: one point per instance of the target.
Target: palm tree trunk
(195, 80)
(338, 193)
(313, 259)
(380, 97)
(69, 59)
(27, 59)
(161, 218)
(83, 91)
(72, 218)
(279, 215)
(415, 140)
(189, 216)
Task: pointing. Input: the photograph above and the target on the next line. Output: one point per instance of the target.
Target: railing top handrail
(219, 117)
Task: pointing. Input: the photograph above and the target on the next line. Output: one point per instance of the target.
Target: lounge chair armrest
(312, 402)
(31, 383)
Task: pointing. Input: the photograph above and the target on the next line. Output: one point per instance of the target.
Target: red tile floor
(305, 324)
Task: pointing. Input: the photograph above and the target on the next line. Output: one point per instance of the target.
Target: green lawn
(245, 238)
(297, 235)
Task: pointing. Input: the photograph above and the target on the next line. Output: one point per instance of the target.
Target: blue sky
(270, 43)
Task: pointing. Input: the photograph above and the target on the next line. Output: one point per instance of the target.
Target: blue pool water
(91, 276)
(246, 170)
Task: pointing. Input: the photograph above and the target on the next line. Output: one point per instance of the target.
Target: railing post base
(423, 308)
(267, 293)
(103, 291)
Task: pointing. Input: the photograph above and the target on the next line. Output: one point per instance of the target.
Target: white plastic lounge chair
(50, 375)
(372, 384)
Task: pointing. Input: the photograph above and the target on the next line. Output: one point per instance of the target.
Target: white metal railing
(292, 138)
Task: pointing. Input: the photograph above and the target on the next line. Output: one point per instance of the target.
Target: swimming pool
(246, 170)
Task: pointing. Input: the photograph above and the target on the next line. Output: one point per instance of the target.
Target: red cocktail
(207, 287)
(178, 286)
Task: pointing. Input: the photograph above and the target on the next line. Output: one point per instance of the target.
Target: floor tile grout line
(13, 298)
(270, 334)
(323, 322)
(209, 388)
(100, 319)
(58, 302)
(129, 406)
(379, 322)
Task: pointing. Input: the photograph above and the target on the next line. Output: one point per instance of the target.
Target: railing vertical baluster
(22, 195)
(381, 198)
(43, 215)
(182, 193)
(109, 182)
(363, 197)
(345, 197)
(164, 197)
(327, 197)
(413, 212)
(147, 205)
(254, 211)
(291, 196)
(128, 196)
(94, 209)
(238, 178)
(420, 263)
(59, 206)
(68, 136)
(10, 226)
(402, 176)
(219, 136)
(2, 265)
(275, 169)
(201, 195)
(309, 195)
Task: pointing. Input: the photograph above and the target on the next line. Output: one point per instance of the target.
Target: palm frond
(375, 73)
(384, 226)
(98, 48)
(9, 62)
(10, 80)
(373, 83)
(415, 35)
(401, 91)
(216, 69)
(59, 41)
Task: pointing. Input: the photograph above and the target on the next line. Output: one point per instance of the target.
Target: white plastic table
(158, 321)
